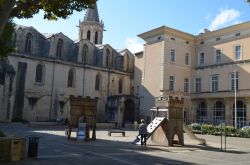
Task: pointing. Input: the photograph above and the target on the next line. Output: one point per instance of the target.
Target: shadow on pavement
(56, 149)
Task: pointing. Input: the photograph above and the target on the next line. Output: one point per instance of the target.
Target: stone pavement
(55, 149)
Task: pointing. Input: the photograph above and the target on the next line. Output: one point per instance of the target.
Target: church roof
(92, 14)
(17, 26)
(124, 51)
(47, 35)
(100, 46)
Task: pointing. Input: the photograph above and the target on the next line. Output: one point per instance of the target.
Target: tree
(6, 46)
(53, 9)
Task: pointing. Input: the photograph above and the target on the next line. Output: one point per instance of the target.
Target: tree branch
(26, 9)
(5, 10)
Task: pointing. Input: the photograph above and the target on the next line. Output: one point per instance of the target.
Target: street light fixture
(235, 100)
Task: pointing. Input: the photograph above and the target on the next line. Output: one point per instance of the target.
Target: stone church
(37, 79)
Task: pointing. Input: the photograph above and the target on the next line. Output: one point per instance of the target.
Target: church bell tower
(91, 28)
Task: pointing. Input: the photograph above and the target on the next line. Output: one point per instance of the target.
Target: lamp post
(235, 100)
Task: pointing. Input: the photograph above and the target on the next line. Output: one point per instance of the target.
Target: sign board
(81, 132)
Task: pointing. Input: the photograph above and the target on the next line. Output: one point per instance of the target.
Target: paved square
(55, 149)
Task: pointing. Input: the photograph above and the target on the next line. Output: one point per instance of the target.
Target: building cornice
(204, 36)
(220, 94)
(222, 64)
(224, 31)
(72, 64)
(168, 31)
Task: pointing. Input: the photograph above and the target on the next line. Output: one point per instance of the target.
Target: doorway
(129, 114)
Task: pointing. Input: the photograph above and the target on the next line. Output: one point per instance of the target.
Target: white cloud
(133, 44)
(200, 31)
(208, 17)
(237, 22)
(226, 17)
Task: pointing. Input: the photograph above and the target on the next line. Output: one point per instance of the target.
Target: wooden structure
(83, 110)
(12, 149)
(169, 131)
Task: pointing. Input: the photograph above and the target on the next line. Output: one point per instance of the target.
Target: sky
(125, 19)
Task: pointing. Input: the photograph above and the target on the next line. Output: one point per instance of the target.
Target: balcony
(221, 94)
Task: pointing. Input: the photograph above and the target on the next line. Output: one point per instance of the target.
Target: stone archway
(129, 113)
(175, 139)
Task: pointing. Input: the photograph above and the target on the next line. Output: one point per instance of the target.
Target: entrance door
(129, 115)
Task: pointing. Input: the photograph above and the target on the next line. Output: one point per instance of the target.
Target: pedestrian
(143, 132)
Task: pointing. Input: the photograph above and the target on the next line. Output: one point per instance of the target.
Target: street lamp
(235, 100)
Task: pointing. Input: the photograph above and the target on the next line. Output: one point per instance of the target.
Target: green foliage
(195, 126)
(6, 39)
(27, 8)
(2, 134)
(207, 129)
(52, 9)
(230, 130)
(243, 133)
(216, 130)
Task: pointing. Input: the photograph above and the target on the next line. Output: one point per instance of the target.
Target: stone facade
(51, 67)
(201, 68)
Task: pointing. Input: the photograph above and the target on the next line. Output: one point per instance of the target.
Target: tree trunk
(5, 10)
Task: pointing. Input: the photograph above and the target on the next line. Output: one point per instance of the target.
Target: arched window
(241, 113)
(98, 82)
(96, 37)
(85, 50)
(40, 73)
(59, 48)
(28, 43)
(99, 58)
(113, 59)
(219, 112)
(119, 61)
(202, 112)
(126, 62)
(88, 35)
(120, 86)
(107, 57)
(71, 78)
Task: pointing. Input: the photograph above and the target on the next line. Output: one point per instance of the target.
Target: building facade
(207, 70)
(46, 69)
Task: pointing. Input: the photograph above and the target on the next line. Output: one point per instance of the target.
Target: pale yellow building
(200, 68)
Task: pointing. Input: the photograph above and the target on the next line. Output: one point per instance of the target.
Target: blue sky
(125, 19)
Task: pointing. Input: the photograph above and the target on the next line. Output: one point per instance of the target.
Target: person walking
(143, 132)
